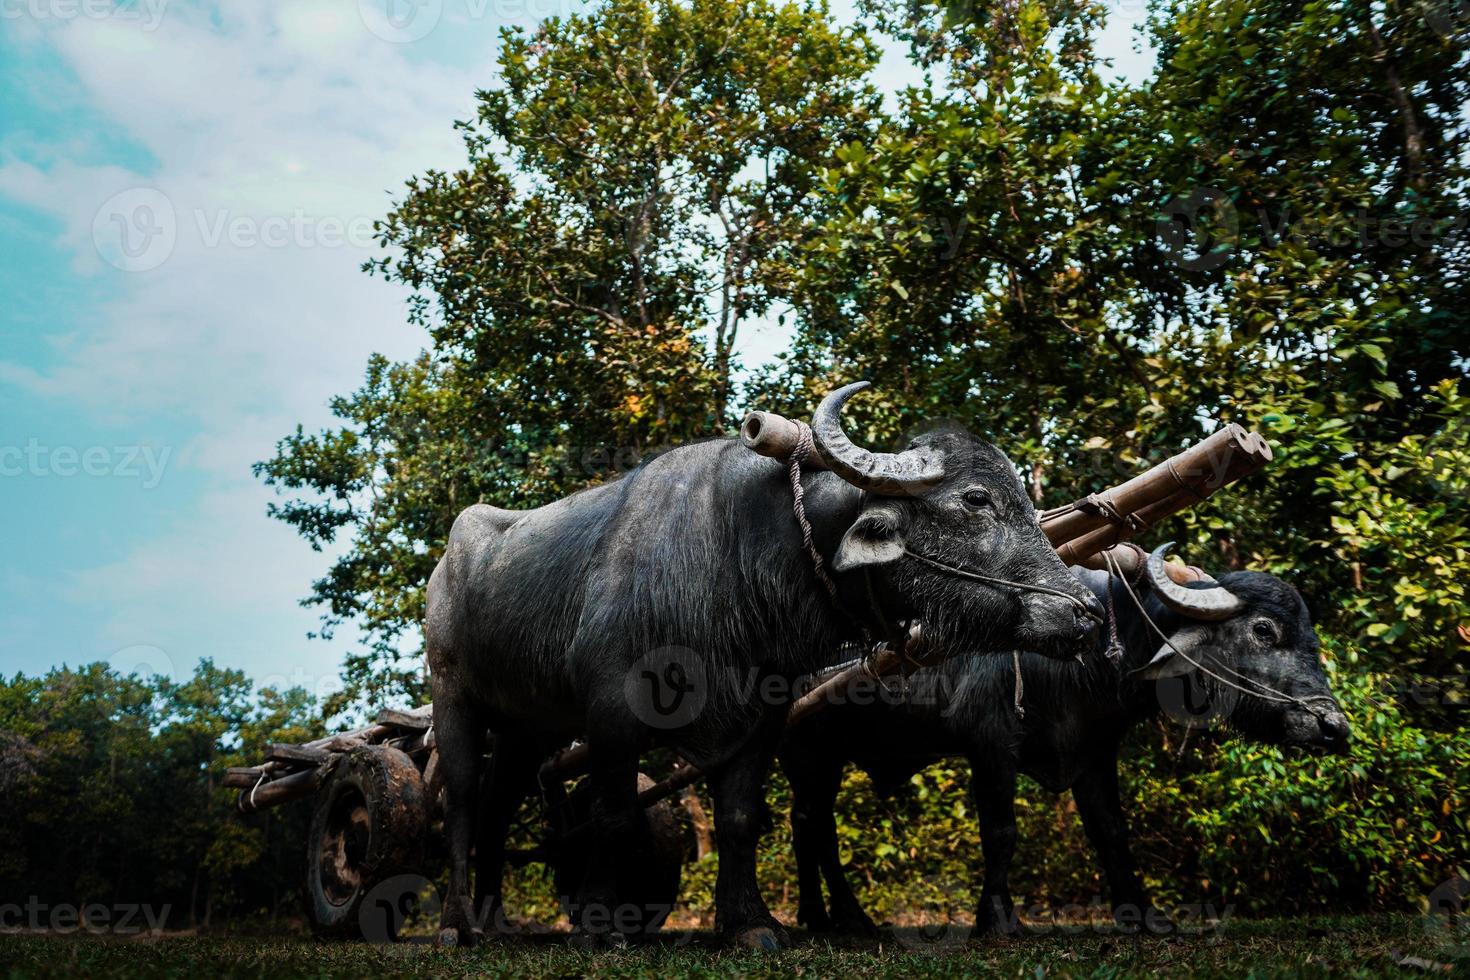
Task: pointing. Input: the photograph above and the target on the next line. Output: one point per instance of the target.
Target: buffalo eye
(976, 498)
(1265, 631)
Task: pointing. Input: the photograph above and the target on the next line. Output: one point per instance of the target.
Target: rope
(1264, 691)
(1184, 483)
(798, 493)
(991, 580)
(1114, 652)
(1020, 690)
(1108, 511)
(252, 791)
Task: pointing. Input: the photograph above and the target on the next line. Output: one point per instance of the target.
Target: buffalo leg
(738, 788)
(1098, 803)
(618, 825)
(461, 742)
(813, 794)
(509, 778)
(847, 912)
(993, 790)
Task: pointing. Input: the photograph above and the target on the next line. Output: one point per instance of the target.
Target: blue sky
(185, 193)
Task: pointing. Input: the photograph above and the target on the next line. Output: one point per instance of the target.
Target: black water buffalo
(1249, 633)
(691, 573)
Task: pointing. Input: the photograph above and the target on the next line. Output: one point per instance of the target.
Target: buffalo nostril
(1089, 610)
(1084, 621)
(1334, 726)
(1095, 609)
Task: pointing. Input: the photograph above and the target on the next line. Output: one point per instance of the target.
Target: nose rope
(994, 582)
(1266, 692)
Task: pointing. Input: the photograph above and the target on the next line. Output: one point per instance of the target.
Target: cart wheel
(646, 901)
(366, 835)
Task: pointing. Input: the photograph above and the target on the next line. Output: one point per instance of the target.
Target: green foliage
(1402, 522)
(1272, 831)
(110, 786)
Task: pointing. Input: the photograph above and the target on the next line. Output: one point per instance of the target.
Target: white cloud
(276, 132)
(224, 583)
(276, 141)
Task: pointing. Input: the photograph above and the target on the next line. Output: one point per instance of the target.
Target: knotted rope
(804, 447)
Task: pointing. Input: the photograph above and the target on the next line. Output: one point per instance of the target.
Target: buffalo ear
(1166, 663)
(873, 539)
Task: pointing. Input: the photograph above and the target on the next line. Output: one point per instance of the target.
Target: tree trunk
(704, 844)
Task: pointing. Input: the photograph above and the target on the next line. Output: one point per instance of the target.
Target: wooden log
(241, 777)
(777, 437)
(296, 756)
(1192, 475)
(412, 743)
(1087, 526)
(568, 763)
(1077, 550)
(346, 742)
(277, 791)
(1129, 559)
(416, 721)
(883, 663)
(685, 775)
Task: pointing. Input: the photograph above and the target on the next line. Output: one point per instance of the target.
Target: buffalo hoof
(816, 921)
(854, 923)
(768, 939)
(1150, 921)
(992, 923)
(450, 937)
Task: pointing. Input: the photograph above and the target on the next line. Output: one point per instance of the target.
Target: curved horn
(1212, 603)
(890, 474)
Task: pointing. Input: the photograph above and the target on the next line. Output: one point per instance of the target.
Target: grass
(1346, 946)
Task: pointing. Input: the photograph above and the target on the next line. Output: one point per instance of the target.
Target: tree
(112, 789)
(632, 197)
(1267, 233)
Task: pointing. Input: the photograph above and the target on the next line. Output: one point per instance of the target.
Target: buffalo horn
(890, 474)
(1212, 603)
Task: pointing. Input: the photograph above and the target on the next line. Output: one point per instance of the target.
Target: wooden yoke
(1082, 530)
(1098, 521)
